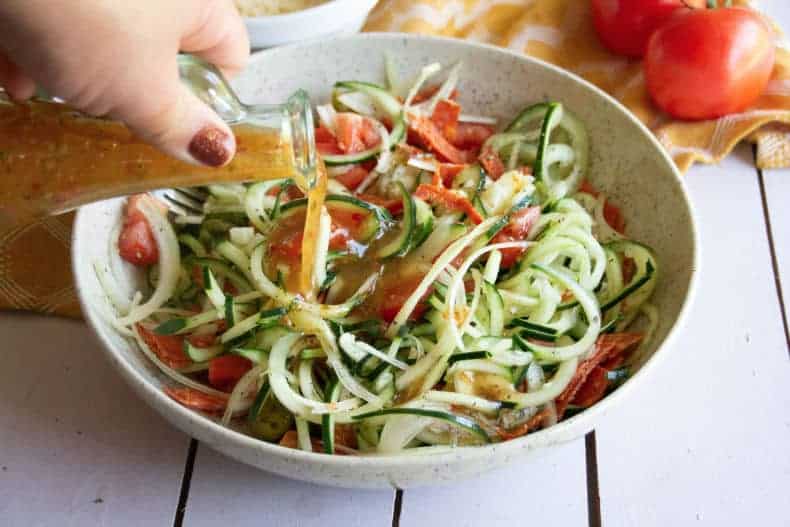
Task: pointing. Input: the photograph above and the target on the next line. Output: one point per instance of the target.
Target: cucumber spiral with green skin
(479, 341)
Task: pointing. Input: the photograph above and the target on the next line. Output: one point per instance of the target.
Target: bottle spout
(298, 121)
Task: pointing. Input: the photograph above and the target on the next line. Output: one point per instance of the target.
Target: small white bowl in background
(336, 17)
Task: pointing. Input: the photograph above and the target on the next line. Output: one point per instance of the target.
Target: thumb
(176, 121)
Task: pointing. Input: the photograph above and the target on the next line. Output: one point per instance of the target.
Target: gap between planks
(774, 259)
(183, 497)
(397, 507)
(593, 493)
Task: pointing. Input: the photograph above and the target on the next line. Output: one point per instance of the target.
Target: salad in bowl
(501, 256)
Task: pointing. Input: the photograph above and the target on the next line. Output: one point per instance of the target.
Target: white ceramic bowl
(336, 17)
(626, 162)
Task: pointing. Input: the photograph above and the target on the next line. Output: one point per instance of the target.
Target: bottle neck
(294, 118)
(299, 129)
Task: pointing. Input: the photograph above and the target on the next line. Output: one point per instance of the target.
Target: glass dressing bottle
(54, 159)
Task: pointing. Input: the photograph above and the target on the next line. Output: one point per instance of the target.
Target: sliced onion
(241, 398)
(326, 117)
(461, 399)
(588, 303)
(297, 404)
(549, 390)
(477, 119)
(173, 374)
(425, 73)
(349, 341)
(452, 297)
(429, 165)
(441, 263)
(310, 323)
(169, 262)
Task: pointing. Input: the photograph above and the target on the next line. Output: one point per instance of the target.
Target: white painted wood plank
(226, 492)
(551, 490)
(705, 440)
(779, 10)
(777, 190)
(77, 447)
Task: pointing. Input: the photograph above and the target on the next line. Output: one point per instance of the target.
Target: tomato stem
(711, 4)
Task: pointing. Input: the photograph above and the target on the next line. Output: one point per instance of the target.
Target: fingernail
(211, 146)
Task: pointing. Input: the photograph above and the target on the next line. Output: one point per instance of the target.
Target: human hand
(118, 59)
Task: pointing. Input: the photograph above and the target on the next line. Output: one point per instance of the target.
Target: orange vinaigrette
(53, 159)
(316, 195)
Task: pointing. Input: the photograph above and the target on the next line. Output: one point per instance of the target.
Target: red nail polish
(209, 146)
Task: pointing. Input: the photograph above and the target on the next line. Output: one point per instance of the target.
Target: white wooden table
(706, 442)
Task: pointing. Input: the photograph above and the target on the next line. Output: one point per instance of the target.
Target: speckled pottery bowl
(626, 162)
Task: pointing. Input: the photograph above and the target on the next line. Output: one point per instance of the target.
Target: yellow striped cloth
(34, 259)
(561, 32)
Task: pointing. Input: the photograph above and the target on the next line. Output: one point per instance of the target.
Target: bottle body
(53, 159)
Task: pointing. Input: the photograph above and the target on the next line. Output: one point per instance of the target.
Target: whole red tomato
(702, 64)
(624, 26)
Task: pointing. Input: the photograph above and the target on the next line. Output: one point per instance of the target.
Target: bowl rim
(563, 431)
(324, 8)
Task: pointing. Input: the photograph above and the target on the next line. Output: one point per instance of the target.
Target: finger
(19, 86)
(173, 119)
(219, 36)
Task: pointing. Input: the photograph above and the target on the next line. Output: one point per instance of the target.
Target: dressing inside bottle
(54, 159)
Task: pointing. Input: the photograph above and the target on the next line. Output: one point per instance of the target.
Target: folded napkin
(35, 271)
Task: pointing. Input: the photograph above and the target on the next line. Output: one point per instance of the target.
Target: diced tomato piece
(408, 150)
(613, 347)
(226, 370)
(136, 243)
(289, 248)
(168, 348)
(355, 133)
(629, 269)
(609, 347)
(491, 162)
(345, 435)
(133, 212)
(230, 289)
(324, 135)
(450, 199)
(614, 217)
(353, 177)
(202, 341)
(611, 213)
(531, 424)
(395, 296)
(593, 388)
(516, 230)
(426, 133)
(291, 440)
(470, 136)
(326, 143)
(292, 192)
(339, 238)
(430, 91)
(446, 172)
(586, 186)
(445, 116)
(394, 206)
(197, 400)
(349, 222)
(328, 149)
(345, 227)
